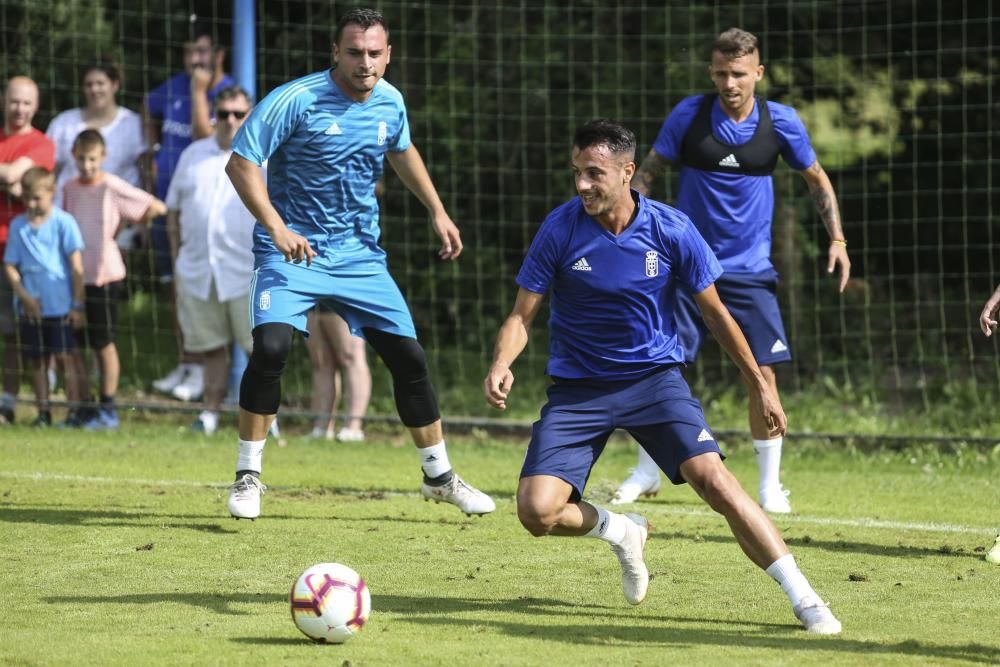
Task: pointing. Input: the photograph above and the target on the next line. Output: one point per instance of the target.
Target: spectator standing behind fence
(121, 129)
(177, 112)
(102, 203)
(339, 367)
(988, 323)
(44, 264)
(727, 144)
(21, 147)
(211, 241)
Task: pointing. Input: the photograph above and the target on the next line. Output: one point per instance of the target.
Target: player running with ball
(613, 262)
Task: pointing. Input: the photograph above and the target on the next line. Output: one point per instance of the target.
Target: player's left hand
(766, 402)
(838, 255)
(451, 239)
(988, 318)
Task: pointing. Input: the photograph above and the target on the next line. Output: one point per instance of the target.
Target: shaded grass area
(117, 549)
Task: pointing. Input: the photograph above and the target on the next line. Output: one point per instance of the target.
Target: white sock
(434, 460)
(610, 527)
(792, 581)
(251, 453)
(769, 461)
(646, 466)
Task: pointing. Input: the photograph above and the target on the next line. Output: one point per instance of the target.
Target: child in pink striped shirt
(102, 204)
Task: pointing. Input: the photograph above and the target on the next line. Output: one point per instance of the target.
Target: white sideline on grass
(927, 527)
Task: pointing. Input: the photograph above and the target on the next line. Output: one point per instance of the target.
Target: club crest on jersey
(652, 264)
(264, 300)
(383, 132)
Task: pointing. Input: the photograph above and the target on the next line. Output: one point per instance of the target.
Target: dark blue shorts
(753, 302)
(657, 410)
(53, 335)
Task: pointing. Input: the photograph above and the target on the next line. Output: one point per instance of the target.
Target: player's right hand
(294, 247)
(497, 385)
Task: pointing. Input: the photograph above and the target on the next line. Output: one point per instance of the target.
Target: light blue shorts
(363, 293)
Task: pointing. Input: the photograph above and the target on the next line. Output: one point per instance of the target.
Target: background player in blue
(325, 136)
(613, 261)
(727, 145)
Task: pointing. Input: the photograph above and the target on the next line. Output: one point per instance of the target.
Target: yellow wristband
(842, 242)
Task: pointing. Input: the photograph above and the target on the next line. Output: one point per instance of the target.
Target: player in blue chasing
(613, 262)
(325, 136)
(727, 144)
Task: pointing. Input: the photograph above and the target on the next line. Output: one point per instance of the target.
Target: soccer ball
(330, 603)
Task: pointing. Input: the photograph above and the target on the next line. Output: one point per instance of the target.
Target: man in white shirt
(211, 241)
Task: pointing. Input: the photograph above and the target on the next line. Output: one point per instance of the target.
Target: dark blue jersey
(733, 211)
(613, 297)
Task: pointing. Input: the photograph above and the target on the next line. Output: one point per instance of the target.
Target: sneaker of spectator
(193, 386)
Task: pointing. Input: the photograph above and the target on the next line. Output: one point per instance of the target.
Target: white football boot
(635, 576)
(244, 497)
(994, 555)
(816, 616)
(457, 492)
(637, 484)
(775, 500)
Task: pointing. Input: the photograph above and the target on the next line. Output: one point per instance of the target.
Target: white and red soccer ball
(330, 603)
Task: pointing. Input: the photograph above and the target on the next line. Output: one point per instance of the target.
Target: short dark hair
(109, 67)
(202, 27)
(618, 138)
(231, 93)
(365, 18)
(734, 43)
(37, 176)
(88, 139)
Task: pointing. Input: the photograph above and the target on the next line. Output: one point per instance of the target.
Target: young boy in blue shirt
(44, 266)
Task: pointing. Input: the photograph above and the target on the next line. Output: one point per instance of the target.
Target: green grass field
(117, 549)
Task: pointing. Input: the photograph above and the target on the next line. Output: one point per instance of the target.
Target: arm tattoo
(825, 200)
(652, 167)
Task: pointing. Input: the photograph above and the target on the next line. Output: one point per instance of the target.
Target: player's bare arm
(825, 200)
(511, 341)
(250, 186)
(653, 166)
(728, 333)
(411, 170)
(988, 318)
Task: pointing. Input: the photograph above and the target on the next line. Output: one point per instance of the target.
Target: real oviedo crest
(652, 264)
(383, 132)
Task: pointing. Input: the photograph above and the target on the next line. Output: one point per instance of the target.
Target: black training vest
(702, 150)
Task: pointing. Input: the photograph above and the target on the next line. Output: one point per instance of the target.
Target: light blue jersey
(325, 154)
(41, 255)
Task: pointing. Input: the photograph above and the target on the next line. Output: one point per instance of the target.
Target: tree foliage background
(898, 98)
